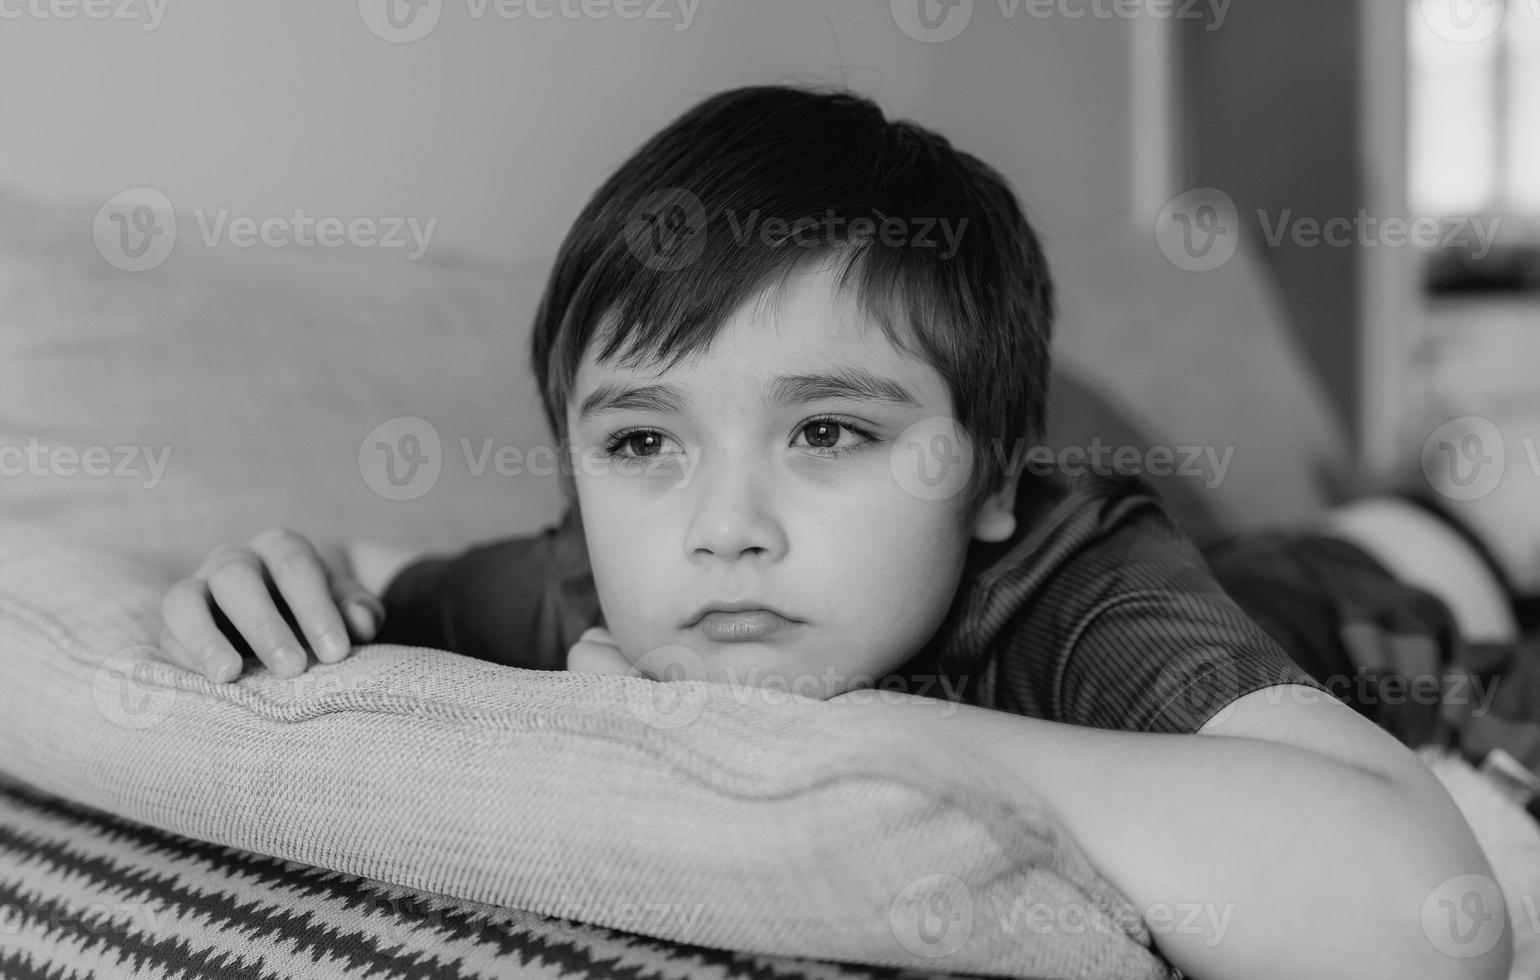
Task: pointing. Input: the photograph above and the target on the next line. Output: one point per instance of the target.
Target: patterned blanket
(84, 894)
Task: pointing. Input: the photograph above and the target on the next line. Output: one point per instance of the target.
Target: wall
(1274, 121)
(501, 128)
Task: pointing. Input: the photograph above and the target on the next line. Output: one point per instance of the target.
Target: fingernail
(289, 661)
(333, 647)
(219, 668)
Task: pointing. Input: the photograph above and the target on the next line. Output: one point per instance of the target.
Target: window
(1474, 107)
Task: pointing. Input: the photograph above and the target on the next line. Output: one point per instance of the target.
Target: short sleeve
(1132, 632)
(1167, 661)
(520, 601)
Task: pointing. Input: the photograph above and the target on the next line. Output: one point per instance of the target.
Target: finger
(598, 634)
(598, 658)
(364, 611)
(239, 589)
(192, 639)
(301, 577)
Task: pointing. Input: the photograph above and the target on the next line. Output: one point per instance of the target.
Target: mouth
(737, 622)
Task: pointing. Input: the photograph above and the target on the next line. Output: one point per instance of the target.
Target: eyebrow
(856, 384)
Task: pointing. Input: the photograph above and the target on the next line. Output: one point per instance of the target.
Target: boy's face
(732, 492)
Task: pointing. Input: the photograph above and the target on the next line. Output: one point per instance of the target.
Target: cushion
(228, 390)
(797, 827)
(225, 391)
(89, 894)
(1208, 365)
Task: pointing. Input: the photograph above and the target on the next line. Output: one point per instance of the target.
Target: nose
(733, 510)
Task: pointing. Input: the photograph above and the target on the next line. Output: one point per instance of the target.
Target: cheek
(629, 559)
(891, 553)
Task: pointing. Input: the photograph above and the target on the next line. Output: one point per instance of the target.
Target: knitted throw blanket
(671, 810)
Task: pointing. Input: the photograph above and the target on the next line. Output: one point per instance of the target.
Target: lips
(739, 620)
(742, 626)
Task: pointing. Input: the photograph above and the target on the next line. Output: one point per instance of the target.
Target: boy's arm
(1289, 838)
(520, 601)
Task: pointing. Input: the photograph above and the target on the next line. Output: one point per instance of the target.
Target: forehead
(807, 326)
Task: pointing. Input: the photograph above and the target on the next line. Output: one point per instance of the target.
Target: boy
(792, 349)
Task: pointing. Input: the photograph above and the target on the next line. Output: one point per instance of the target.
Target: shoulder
(1109, 617)
(1087, 532)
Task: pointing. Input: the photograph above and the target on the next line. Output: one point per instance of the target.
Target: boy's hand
(261, 591)
(596, 652)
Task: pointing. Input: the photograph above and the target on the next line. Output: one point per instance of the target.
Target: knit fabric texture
(796, 827)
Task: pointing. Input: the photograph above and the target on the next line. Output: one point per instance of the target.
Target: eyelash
(619, 439)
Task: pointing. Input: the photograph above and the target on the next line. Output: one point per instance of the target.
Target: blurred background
(1364, 173)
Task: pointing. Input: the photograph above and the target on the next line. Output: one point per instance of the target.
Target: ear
(995, 520)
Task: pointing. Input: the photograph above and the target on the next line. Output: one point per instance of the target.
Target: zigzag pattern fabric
(86, 895)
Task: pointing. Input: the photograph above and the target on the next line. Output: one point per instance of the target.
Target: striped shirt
(1099, 611)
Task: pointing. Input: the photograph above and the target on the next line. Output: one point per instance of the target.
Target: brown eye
(642, 442)
(822, 435)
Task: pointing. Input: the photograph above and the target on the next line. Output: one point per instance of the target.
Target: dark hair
(815, 159)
